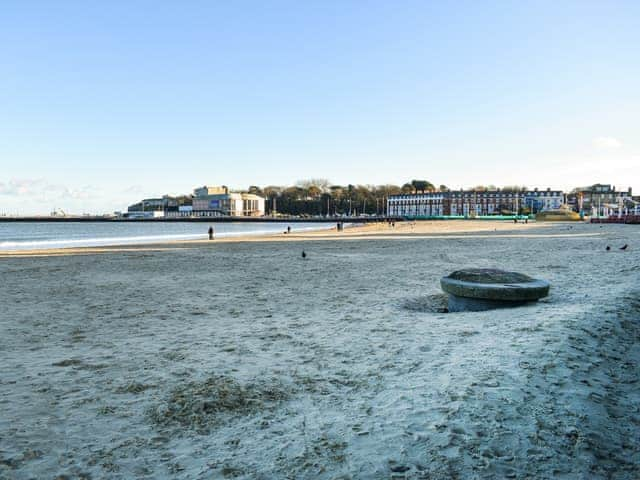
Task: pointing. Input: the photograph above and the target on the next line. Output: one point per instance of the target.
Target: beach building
(477, 203)
(218, 201)
(542, 200)
(146, 208)
(147, 214)
(184, 211)
(416, 205)
(179, 206)
(205, 202)
(600, 200)
(473, 202)
(159, 207)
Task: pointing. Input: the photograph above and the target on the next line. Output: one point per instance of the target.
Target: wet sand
(239, 359)
(378, 231)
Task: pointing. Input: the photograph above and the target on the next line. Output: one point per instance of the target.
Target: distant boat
(562, 214)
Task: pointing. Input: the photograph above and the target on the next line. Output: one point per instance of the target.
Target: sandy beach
(370, 231)
(236, 358)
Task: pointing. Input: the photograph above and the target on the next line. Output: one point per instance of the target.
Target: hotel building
(473, 203)
(418, 205)
(600, 200)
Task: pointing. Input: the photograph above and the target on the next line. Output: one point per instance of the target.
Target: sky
(104, 103)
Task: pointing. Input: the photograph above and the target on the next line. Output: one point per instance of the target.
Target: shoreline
(408, 230)
(265, 219)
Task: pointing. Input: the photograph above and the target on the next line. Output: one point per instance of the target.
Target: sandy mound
(201, 405)
(436, 303)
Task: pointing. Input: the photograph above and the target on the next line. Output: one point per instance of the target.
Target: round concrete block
(477, 289)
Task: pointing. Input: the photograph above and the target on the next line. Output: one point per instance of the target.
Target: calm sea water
(39, 235)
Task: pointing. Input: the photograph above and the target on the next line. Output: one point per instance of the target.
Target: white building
(218, 201)
(146, 214)
(420, 205)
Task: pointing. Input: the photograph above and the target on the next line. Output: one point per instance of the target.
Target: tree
(272, 191)
(418, 185)
(321, 184)
(513, 188)
(422, 186)
(386, 190)
(313, 191)
(317, 197)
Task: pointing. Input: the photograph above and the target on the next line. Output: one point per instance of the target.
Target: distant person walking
(211, 233)
(289, 229)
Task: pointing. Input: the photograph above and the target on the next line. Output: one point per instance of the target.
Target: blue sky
(102, 103)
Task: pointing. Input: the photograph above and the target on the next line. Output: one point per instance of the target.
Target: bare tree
(320, 183)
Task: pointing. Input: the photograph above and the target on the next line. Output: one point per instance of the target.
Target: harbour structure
(473, 202)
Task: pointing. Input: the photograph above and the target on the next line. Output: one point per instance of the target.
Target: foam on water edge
(133, 240)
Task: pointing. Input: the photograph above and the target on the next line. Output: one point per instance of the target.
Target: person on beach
(289, 229)
(211, 233)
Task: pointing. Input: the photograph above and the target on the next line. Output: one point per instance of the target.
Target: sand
(242, 360)
(370, 231)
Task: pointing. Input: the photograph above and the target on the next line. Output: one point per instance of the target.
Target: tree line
(320, 197)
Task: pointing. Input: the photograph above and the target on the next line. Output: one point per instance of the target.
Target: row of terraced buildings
(597, 200)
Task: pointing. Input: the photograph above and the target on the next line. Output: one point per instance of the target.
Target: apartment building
(473, 202)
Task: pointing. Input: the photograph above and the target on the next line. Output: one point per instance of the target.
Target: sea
(45, 235)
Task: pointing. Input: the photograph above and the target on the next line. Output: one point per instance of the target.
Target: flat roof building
(206, 190)
(217, 201)
(206, 201)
